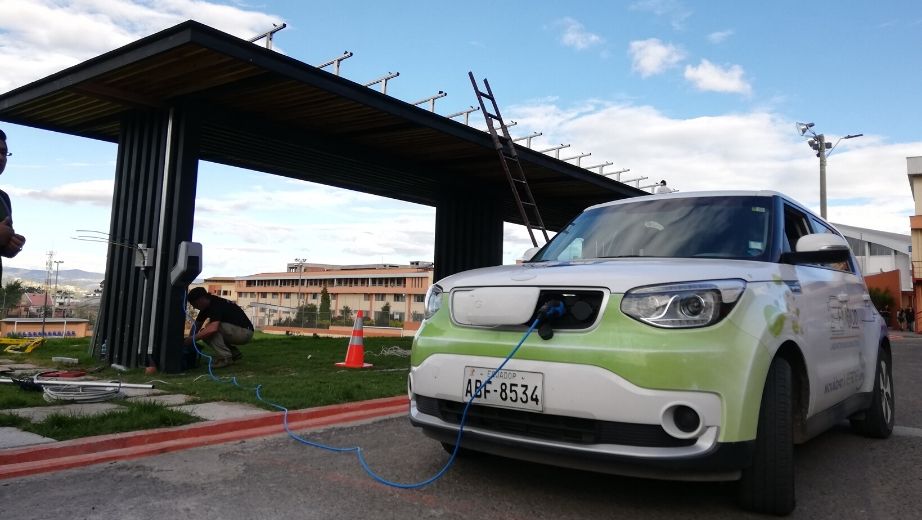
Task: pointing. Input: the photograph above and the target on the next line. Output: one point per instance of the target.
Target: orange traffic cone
(355, 355)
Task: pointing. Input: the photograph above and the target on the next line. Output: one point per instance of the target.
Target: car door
(861, 320)
(831, 343)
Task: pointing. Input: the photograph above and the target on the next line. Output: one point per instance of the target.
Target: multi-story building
(269, 298)
(223, 286)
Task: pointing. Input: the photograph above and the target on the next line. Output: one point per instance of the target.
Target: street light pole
(820, 145)
(57, 268)
(821, 151)
(300, 272)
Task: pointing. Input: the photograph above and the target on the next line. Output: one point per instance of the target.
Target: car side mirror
(819, 248)
(529, 253)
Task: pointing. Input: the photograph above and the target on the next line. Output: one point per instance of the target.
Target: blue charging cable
(549, 310)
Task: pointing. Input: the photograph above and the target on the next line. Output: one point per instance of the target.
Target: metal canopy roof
(268, 112)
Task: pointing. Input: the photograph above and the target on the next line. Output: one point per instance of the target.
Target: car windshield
(681, 227)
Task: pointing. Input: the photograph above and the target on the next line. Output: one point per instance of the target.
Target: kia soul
(688, 336)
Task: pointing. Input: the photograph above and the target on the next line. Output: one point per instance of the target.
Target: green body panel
(730, 359)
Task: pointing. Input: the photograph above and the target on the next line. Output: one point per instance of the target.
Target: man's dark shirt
(6, 210)
(225, 311)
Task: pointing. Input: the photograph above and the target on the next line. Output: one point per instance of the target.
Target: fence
(319, 320)
(24, 311)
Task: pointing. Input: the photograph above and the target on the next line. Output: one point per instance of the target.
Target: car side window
(819, 227)
(795, 226)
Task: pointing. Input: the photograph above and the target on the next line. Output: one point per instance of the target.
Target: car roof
(696, 194)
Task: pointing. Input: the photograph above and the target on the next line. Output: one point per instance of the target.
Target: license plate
(508, 388)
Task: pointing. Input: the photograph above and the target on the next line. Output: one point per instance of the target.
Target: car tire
(877, 421)
(767, 486)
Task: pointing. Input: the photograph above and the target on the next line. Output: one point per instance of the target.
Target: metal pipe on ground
(56, 382)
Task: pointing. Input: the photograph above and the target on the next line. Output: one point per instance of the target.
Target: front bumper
(591, 419)
(716, 462)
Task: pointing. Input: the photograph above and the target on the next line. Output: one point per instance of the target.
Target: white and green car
(704, 334)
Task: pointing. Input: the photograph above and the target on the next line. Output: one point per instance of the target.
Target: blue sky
(703, 94)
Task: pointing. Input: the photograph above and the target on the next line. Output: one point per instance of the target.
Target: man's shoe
(221, 362)
(237, 355)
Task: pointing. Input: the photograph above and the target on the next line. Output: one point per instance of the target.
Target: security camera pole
(819, 144)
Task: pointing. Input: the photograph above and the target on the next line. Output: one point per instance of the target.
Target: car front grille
(560, 428)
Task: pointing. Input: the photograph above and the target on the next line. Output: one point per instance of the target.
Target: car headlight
(683, 305)
(433, 300)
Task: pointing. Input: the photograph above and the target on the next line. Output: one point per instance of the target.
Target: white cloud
(98, 192)
(866, 184)
(652, 56)
(710, 77)
(576, 36)
(720, 36)
(672, 9)
(40, 37)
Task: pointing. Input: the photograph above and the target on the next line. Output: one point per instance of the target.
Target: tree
(11, 295)
(324, 306)
(307, 314)
(384, 317)
(346, 314)
(881, 298)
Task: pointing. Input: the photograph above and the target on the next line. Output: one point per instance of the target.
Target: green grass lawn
(136, 416)
(292, 371)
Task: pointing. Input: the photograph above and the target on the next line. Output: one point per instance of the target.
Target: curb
(43, 458)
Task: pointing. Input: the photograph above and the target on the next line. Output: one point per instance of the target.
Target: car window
(819, 227)
(795, 226)
(681, 227)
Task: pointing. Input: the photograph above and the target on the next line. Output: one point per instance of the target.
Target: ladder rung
(485, 95)
(494, 116)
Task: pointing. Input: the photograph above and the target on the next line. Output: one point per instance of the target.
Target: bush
(881, 298)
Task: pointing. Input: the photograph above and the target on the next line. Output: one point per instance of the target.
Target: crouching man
(228, 326)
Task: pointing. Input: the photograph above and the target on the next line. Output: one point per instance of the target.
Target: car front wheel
(767, 486)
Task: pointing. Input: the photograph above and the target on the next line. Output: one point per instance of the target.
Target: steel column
(141, 317)
(468, 234)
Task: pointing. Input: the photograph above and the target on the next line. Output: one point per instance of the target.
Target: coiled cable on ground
(82, 394)
(395, 351)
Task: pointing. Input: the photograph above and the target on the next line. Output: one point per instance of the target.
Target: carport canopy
(192, 93)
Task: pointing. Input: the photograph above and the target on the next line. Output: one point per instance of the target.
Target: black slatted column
(468, 234)
(153, 204)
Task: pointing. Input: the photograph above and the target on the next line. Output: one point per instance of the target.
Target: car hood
(616, 275)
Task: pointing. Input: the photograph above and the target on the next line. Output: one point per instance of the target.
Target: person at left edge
(228, 326)
(10, 242)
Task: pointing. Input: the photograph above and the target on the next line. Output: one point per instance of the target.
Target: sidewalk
(225, 422)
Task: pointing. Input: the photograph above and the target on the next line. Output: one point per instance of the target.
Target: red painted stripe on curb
(270, 421)
(126, 440)
(33, 467)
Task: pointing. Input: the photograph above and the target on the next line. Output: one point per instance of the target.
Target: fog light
(686, 419)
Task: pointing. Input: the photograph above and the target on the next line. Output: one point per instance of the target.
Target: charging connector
(550, 310)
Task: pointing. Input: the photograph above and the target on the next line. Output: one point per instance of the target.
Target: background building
(914, 171)
(389, 295)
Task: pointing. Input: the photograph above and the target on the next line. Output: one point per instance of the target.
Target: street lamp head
(803, 127)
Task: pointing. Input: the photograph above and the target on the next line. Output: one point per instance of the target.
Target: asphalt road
(839, 475)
